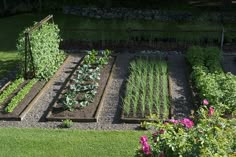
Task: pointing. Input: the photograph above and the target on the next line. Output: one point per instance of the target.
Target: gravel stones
(150, 14)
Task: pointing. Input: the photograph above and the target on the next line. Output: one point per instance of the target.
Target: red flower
(162, 131)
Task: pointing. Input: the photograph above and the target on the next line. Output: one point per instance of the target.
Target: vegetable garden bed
(147, 90)
(18, 97)
(83, 110)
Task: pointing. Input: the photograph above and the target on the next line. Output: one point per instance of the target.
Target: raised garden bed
(82, 110)
(147, 90)
(18, 97)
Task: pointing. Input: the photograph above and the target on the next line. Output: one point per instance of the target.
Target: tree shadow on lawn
(6, 67)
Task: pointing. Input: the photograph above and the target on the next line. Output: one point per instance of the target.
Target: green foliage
(67, 123)
(20, 96)
(85, 82)
(210, 80)
(10, 89)
(143, 88)
(45, 50)
(213, 136)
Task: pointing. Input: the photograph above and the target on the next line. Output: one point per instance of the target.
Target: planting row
(15, 93)
(146, 89)
(210, 80)
(81, 95)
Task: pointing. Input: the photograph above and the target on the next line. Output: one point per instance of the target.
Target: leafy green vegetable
(11, 88)
(20, 96)
(85, 82)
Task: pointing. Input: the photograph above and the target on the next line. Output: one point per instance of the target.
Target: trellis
(29, 69)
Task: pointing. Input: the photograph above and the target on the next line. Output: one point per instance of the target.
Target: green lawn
(67, 143)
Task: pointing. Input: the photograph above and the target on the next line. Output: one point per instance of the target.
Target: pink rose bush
(211, 135)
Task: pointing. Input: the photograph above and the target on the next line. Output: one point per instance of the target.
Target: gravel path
(229, 63)
(179, 88)
(109, 118)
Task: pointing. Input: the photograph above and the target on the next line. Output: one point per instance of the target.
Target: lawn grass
(67, 143)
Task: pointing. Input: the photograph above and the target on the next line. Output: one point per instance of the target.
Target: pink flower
(143, 139)
(211, 111)
(146, 149)
(187, 122)
(145, 146)
(174, 121)
(205, 102)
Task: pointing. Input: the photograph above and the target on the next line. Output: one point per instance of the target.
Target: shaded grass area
(68, 23)
(67, 143)
(11, 27)
(8, 61)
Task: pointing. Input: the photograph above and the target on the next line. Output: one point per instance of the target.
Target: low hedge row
(210, 80)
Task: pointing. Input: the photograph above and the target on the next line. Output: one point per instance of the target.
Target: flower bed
(80, 97)
(146, 90)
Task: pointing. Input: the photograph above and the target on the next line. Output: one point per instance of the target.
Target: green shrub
(210, 80)
(45, 50)
(67, 123)
(212, 136)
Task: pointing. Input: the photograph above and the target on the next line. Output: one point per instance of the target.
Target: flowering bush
(212, 136)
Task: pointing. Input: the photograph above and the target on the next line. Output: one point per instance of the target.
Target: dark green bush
(210, 80)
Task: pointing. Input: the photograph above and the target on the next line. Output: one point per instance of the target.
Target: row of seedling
(84, 83)
(147, 88)
(15, 93)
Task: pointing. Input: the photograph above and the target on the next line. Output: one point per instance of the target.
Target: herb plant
(147, 77)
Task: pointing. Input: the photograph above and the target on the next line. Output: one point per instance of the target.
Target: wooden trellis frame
(29, 72)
